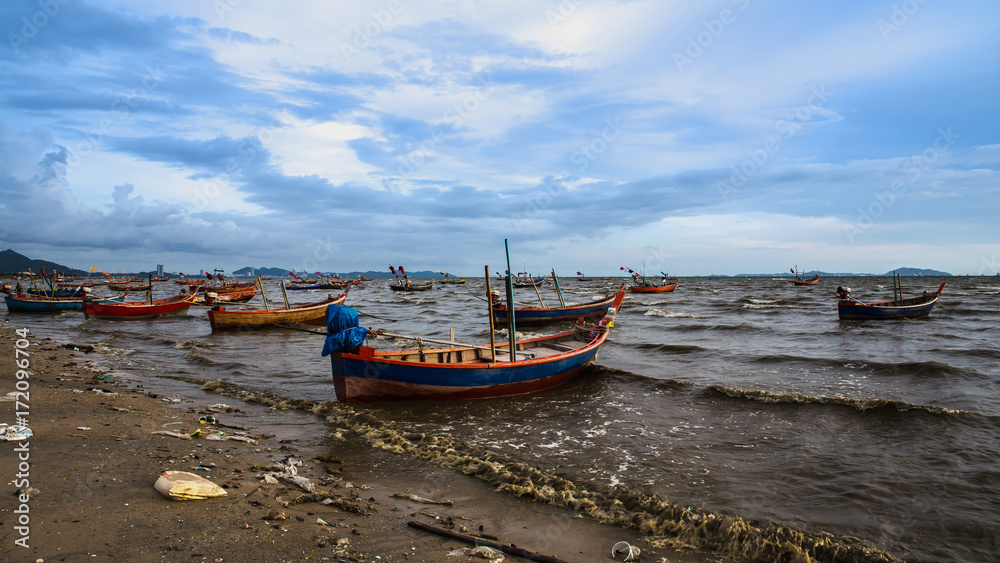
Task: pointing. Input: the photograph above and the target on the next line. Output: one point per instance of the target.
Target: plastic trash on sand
(15, 433)
(181, 485)
(630, 552)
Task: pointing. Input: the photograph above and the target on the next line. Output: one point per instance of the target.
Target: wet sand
(93, 460)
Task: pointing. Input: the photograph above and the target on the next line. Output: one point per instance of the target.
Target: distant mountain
(12, 262)
(916, 272)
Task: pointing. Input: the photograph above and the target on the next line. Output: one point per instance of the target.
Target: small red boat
(177, 305)
(653, 288)
(642, 285)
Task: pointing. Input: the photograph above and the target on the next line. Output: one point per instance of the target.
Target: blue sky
(690, 137)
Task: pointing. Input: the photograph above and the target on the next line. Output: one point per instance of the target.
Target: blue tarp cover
(343, 330)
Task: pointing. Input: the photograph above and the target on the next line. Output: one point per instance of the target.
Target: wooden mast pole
(489, 302)
(511, 327)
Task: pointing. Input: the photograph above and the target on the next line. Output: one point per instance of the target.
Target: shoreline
(96, 498)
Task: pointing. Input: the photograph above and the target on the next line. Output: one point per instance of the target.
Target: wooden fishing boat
(811, 281)
(177, 305)
(335, 285)
(38, 304)
(527, 282)
(128, 287)
(308, 313)
(641, 284)
(299, 286)
(583, 277)
(542, 315)
(189, 282)
(910, 308)
(225, 289)
(646, 286)
(409, 286)
(448, 279)
(801, 280)
(232, 296)
(73, 293)
(362, 374)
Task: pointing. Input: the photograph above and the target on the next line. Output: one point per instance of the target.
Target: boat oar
(555, 280)
(284, 294)
(530, 279)
(260, 286)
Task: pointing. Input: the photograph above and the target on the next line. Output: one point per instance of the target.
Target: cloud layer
(721, 137)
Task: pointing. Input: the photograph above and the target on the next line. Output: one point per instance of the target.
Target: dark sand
(95, 498)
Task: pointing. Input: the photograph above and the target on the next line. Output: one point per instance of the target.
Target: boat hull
(36, 305)
(412, 287)
(310, 313)
(358, 379)
(913, 308)
(653, 289)
(138, 310)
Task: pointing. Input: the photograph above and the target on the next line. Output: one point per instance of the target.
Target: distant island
(811, 273)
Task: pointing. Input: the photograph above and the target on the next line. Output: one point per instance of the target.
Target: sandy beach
(87, 474)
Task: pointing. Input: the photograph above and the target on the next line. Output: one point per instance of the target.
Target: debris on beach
(422, 500)
(14, 433)
(630, 552)
(494, 555)
(181, 485)
(480, 542)
(223, 437)
(180, 435)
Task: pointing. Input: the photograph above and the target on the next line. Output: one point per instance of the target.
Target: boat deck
(481, 355)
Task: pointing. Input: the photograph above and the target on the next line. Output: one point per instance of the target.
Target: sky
(690, 137)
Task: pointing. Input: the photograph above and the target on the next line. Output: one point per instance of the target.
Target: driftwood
(415, 498)
(508, 549)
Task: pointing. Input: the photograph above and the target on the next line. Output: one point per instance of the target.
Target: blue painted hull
(39, 305)
(360, 379)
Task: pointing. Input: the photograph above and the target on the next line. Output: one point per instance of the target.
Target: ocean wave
(929, 368)
(666, 348)
(669, 314)
(194, 357)
(857, 404)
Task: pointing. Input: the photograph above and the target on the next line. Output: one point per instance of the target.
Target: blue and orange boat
(24, 303)
(459, 371)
